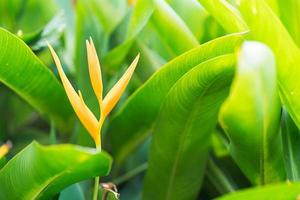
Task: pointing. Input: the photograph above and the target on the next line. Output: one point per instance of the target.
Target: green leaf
(17, 16)
(172, 28)
(193, 14)
(139, 18)
(286, 191)
(39, 172)
(266, 27)
(226, 15)
(109, 12)
(73, 192)
(251, 115)
(289, 14)
(25, 74)
(181, 139)
(291, 141)
(129, 127)
(50, 33)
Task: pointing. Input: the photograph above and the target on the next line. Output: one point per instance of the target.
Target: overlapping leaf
(266, 27)
(129, 127)
(182, 135)
(251, 115)
(226, 15)
(291, 141)
(25, 74)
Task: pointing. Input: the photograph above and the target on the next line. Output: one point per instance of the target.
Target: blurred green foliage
(164, 136)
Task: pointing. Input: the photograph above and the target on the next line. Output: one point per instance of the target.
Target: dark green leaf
(291, 141)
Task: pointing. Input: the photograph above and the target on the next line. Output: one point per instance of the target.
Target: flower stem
(96, 188)
(97, 179)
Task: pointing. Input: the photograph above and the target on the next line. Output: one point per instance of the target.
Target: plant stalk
(97, 179)
(96, 188)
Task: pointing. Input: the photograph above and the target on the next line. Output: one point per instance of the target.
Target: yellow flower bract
(84, 114)
(4, 149)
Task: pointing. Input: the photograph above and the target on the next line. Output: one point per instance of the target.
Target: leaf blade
(181, 139)
(42, 91)
(33, 173)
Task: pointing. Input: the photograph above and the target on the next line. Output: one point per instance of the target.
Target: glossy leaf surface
(251, 115)
(39, 172)
(129, 127)
(181, 139)
(26, 75)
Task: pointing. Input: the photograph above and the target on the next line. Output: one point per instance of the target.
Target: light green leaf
(25, 74)
(291, 141)
(140, 17)
(39, 172)
(129, 127)
(251, 115)
(289, 14)
(286, 191)
(109, 12)
(265, 26)
(181, 139)
(226, 15)
(172, 28)
(193, 14)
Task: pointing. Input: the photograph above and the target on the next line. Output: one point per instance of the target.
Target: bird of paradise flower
(87, 118)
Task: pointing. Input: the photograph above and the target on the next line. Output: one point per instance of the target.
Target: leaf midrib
(183, 135)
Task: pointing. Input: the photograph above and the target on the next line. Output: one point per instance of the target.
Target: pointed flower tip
(115, 93)
(87, 43)
(91, 40)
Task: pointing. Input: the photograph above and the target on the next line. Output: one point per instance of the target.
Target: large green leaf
(181, 138)
(266, 27)
(251, 115)
(286, 191)
(291, 141)
(226, 15)
(129, 127)
(26, 75)
(39, 172)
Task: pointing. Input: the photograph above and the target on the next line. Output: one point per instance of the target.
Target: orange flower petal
(115, 93)
(94, 70)
(86, 117)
